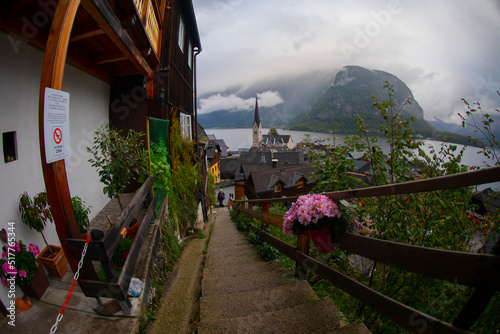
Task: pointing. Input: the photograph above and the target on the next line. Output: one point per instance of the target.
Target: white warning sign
(56, 125)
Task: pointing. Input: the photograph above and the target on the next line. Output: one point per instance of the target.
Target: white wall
(20, 70)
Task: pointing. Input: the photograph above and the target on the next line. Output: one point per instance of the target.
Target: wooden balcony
(108, 39)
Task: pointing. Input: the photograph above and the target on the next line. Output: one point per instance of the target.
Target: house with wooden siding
(120, 62)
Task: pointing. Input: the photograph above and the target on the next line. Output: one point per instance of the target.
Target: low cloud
(233, 102)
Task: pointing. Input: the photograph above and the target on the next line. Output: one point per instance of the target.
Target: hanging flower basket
(319, 217)
(322, 239)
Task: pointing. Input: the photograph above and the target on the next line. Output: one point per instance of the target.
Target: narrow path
(243, 294)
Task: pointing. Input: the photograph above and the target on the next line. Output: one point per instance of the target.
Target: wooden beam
(103, 14)
(54, 174)
(109, 58)
(85, 32)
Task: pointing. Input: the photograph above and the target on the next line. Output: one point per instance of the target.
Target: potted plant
(19, 265)
(35, 214)
(319, 217)
(118, 159)
(81, 214)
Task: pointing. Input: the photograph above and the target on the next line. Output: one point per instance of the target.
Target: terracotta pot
(56, 264)
(39, 283)
(132, 230)
(322, 239)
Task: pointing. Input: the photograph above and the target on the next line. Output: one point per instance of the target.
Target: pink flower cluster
(308, 209)
(9, 256)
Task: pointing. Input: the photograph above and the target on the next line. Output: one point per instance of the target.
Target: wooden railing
(476, 270)
(102, 250)
(148, 16)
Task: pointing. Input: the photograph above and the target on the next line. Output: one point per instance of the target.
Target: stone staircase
(243, 294)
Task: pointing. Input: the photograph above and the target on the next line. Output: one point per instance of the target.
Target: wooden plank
(111, 239)
(109, 58)
(102, 13)
(481, 176)
(84, 32)
(480, 270)
(477, 303)
(99, 289)
(133, 254)
(407, 317)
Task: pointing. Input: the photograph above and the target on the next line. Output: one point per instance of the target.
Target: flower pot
(132, 230)
(54, 263)
(322, 239)
(39, 283)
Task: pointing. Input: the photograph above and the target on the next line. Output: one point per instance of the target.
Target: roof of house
(284, 157)
(273, 140)
(264, 180)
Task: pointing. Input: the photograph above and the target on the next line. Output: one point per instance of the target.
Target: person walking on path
(220, 197)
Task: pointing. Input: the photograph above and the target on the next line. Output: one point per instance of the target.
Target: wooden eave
(108, 38)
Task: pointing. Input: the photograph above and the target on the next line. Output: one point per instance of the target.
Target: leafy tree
(118, 159)
(482, 128)
(273, 132)
(432, 219)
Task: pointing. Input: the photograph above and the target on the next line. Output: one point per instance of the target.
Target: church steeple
(256, 118)
(257, 126)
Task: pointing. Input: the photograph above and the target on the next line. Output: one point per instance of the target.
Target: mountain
(316, 101)
(298, 93)
(351, 94)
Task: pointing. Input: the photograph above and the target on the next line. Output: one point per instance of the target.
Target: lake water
(242, 138)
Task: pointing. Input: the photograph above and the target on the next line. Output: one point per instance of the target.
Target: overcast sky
(444, 50)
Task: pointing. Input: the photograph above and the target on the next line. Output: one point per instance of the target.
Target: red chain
(75, 278)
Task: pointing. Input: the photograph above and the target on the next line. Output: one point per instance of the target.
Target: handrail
(102, 250)
(471, 178)
(476, 270)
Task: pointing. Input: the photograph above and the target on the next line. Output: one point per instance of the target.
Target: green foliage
(186, 180)
(201, 235)
(160, 168)
(430, 219)
(18, 262)
(211, 189)
(81, 213)
(482, 128)
(35, 213)
(118, 159)
(123, 247)
(243, 222)
(273, 132)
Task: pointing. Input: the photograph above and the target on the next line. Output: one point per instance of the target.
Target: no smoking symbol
(57, 136)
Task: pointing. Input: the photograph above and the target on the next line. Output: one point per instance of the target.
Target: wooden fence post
(265, 208)
(303, 247)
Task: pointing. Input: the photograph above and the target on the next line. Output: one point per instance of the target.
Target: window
(301, 183)
(278, 188)
(9, 146)
(190, 54)
(181, 34)
(185, 120)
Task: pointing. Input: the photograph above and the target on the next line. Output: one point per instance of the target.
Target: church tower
(257, 127)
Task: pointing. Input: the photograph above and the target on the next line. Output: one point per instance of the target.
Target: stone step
(229, 248)
(242, 269)
(223, 240)
(230, 284)
(353, 328)
(232, 258)
(242, 304)
(311, 317)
